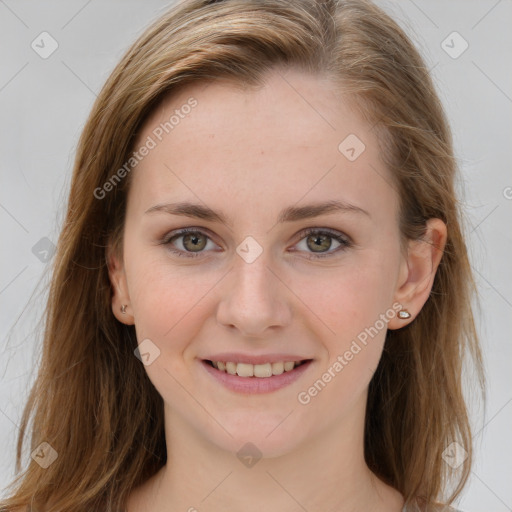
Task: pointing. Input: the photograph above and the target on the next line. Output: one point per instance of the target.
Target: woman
(261, 292)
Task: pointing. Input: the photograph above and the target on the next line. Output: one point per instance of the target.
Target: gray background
(44, 104)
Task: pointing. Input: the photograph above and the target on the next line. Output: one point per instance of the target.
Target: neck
(326, 473)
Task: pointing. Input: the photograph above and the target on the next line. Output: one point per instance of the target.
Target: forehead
(293, 136)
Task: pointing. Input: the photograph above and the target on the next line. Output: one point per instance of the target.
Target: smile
(255, 378)
(255, 370)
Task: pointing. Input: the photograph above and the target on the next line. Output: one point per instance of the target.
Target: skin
(250, 153)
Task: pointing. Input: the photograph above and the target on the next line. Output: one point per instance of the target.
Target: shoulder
(441, 508)
(429, 508)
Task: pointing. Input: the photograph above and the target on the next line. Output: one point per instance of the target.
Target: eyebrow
(289, 214)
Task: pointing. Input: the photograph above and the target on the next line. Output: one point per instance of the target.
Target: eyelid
(333, 232)
(183, 231)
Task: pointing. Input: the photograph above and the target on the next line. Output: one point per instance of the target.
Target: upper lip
(236, 357)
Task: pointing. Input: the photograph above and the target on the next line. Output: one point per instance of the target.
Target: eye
(319, 241)
(193, 242)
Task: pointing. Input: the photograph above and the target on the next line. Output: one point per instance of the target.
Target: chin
(269, 434)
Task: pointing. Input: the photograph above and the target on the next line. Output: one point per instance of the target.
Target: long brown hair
(92, 401)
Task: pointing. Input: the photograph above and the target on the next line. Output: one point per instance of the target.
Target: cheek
(170, 310)
(166, 300)
(165, 297)
(353, 297)
(353, 303)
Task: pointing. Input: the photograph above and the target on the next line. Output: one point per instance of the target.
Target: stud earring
(123, 308)
(404, 314)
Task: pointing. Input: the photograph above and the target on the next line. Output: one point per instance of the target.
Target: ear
(418, 270)
(120, 295)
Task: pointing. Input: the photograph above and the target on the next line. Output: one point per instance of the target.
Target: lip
(255, 385)
(235, 357)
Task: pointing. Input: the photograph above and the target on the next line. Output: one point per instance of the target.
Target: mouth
(259, 371)
(249, 378)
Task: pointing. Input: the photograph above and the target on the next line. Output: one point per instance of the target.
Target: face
(267, 278)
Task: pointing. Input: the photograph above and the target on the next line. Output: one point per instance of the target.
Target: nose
(254, 299)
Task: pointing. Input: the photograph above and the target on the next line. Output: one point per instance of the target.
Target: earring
(123, 308)
(404, 314)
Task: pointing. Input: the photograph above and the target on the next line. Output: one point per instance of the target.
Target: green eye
(322, 239)
(194, 241)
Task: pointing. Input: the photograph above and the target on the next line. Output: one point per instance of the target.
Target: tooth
(245, 370)
(263, 370)
(231, 368)
(277, 368)
(288, 366)
(257, 370)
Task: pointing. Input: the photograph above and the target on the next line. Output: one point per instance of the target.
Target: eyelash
(343, 240)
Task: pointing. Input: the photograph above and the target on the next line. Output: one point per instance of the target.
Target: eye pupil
(194, 237)
(324, 242)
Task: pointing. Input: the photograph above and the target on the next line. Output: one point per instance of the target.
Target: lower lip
(251, 385)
